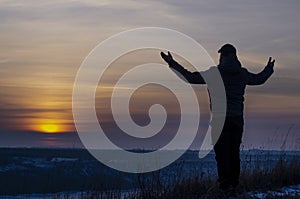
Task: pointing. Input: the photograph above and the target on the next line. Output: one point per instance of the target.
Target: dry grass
(284, 173)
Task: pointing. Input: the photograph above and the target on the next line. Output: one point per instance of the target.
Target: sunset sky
(43, 43)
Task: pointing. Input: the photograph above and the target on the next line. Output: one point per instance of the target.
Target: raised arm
(260, 78)
(191, 77)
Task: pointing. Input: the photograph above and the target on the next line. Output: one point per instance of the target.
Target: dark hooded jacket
(235, 79)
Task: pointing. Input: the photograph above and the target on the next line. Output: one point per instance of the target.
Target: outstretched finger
(162, 54)
(270, 59)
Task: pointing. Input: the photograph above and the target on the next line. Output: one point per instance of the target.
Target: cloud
(278, 86)
(42, 44)
(34, 139)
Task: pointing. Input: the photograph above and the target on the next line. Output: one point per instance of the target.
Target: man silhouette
(235, 79)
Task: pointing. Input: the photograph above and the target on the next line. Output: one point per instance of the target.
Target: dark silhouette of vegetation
(73, 171)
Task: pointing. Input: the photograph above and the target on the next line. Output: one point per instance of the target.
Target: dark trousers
(227, 150)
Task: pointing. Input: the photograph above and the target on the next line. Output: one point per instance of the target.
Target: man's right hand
(271, 62)
(168, 58)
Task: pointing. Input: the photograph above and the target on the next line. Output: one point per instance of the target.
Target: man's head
(227, 50)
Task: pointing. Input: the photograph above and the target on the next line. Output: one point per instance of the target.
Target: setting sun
(49, 128)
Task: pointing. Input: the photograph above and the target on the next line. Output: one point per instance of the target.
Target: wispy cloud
(42, 44)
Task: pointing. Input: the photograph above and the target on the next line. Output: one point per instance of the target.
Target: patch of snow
(11, 167)
(36, 162)
(58, 159)
(60, 195)
(75, 195)
(293, 190)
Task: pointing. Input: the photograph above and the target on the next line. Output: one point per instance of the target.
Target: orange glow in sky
(43, 45)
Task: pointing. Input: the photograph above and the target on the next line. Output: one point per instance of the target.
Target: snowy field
(293, 191)
(74, 173)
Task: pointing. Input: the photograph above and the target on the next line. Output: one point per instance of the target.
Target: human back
(234, 79)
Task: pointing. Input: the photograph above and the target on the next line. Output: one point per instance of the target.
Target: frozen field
(75, 171)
